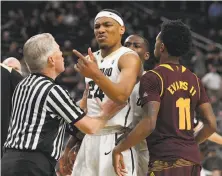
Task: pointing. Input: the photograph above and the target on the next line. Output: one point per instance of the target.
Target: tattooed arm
(143, 129)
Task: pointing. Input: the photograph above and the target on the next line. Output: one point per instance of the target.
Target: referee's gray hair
(36, 51)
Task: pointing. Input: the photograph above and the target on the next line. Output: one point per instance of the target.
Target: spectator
(13, 63)
(13, 50)
(215, 12)
(213, 164)
(9, 80)
(212, 81)
(198, 61)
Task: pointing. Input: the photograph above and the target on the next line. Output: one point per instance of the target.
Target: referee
(9, 80)
(40, 111)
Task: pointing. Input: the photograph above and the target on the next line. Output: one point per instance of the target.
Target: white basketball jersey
(109, 66)
(136, 113)
(135, 102)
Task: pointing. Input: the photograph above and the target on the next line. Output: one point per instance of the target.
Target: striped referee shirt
(40, 111)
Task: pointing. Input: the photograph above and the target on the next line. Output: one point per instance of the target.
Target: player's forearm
(114, 91)
(71, 142)
(138, 134)
(204, 133)
(97, 124)
(215, 137)
(91, 125)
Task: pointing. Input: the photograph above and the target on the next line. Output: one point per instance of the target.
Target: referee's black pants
(26, 163)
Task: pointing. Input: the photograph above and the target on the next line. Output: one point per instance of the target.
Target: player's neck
(107, 51)
(169, 60)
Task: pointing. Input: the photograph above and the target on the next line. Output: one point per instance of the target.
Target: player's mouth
(101, 37)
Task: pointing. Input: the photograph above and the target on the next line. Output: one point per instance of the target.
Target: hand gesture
(83, 102)
(118, 163)
(87, 67)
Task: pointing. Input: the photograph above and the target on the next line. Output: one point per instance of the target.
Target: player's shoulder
(127, 50)
(150, 75)
(123, 48)
(127, 54)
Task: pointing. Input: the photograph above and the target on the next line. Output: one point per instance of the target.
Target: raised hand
(87, 67)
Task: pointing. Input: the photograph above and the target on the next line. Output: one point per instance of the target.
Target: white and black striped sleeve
(60, 102)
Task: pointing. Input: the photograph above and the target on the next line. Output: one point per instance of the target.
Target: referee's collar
(40, 74)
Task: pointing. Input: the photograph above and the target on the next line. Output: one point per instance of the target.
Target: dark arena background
(72, 23)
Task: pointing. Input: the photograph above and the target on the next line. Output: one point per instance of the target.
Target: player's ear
(162, 47)
(122, 30)
(147, 55)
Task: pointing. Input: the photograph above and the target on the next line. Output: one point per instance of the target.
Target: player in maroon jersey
(170, 94)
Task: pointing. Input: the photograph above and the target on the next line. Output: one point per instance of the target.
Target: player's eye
(107, 24)
(127, 44)
(96, 26)
(136, 45)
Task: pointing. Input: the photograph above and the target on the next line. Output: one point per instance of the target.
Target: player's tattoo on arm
(151, 109)
(150, 112)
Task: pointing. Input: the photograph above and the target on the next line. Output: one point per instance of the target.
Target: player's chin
(103, 45)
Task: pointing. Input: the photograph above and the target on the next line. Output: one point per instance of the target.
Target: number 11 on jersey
(184, 113)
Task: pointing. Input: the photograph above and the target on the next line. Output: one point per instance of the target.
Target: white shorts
(143, 158)
(95, 157)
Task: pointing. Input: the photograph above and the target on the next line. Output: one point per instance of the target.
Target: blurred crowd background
(71, 23)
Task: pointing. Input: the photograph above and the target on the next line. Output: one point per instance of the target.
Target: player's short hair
(176, 36)
(113, 11)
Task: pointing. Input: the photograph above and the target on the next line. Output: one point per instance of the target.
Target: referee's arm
(60, 102)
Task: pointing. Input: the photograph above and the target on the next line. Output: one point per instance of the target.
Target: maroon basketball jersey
(179, 92)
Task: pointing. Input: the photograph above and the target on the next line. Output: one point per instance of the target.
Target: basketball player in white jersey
(111, 72)
(141, 47)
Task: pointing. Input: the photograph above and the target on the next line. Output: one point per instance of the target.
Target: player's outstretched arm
(130, 66)
(60, 102)
(91, 125)
(209, 121)
(143, 129)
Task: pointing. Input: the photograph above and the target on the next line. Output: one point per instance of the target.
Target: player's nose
(101, 29)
